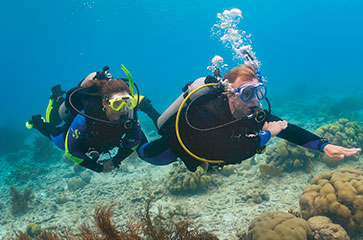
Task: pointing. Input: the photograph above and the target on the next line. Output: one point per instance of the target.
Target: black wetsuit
(228, 143)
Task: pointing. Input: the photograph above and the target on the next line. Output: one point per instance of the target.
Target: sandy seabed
(220, 209)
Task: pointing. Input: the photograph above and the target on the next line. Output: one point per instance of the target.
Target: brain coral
(323, 228)
(181, 180)
(279, 226)
(338, 195)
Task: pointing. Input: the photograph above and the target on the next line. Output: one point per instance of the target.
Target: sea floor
(222, 208)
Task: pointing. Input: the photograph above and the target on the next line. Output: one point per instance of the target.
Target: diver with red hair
(95, 118)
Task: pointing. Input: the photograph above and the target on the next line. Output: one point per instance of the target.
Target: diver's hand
(340, 152)
(108, 166)
(275, 127)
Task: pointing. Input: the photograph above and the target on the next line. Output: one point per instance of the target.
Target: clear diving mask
(246, 93)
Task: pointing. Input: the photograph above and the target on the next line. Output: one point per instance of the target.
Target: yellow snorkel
(131, 80)
(132, 85)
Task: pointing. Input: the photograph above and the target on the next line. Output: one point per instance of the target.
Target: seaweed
(18, 201)
(149, 228)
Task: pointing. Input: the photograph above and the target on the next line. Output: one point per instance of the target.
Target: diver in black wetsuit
(227, 124)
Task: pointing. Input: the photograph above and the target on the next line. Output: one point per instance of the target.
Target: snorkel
(252, 62)
(129, 77)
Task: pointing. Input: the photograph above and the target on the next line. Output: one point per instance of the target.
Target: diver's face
(111, 114)
(238, 107)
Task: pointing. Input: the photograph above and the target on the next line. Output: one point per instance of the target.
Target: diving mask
(119, 101)
(246, 93)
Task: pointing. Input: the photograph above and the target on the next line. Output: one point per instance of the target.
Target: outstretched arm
(302, 137)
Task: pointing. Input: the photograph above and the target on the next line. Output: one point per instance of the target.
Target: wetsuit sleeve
(133, 142)
(264, 137)
(146, 107)
(300, 136)
(73, 141)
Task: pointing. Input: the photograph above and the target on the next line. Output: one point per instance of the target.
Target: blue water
(167, 43)
(307, 48)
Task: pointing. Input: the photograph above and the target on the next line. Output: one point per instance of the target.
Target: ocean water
(310, 53)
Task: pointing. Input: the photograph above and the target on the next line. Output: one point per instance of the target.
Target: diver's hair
(94, 86)
(245, 70)
(106, 88)
(114, 86)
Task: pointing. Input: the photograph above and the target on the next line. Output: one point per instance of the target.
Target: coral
(33, 229)
(323, 228)
(61, 198)
(18, 201)
(268, 170)
(279, 226)
(43, 149)
(76, 183)
(288, 156)
(86, 177)
(343, 133)
(291, 157)
(227, 170)
(181, 180)
(149, 228)
(256, 195)
(338, 195)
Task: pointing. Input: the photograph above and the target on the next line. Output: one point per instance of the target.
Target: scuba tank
(191, 86)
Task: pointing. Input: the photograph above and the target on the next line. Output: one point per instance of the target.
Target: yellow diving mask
(119, 101)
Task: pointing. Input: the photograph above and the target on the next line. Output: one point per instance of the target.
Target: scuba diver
(221, 121)
(95, 118)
